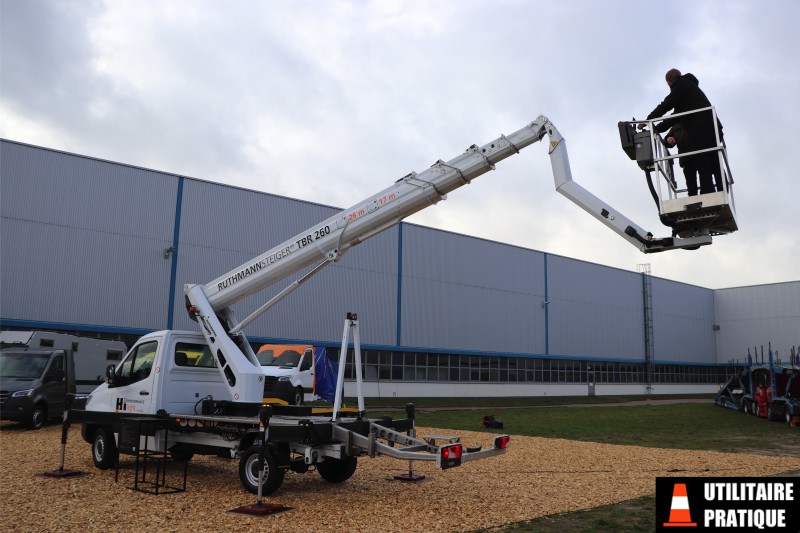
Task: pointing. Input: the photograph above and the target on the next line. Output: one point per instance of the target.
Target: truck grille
(4, 394)
(269, 383)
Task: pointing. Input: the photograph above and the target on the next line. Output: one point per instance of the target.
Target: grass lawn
(686, 426)
(700, 426)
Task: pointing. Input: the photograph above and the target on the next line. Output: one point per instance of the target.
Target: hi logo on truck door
(127, 405)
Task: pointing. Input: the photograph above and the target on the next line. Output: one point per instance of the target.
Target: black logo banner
(729, 504)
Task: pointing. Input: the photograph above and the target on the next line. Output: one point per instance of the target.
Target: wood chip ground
(537, 476)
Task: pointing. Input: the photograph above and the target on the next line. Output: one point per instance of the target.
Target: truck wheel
(298, 397)
(337, 470)
(774, 412)
(787, 415)
(248, 471)
(104, 449)
(38, 417)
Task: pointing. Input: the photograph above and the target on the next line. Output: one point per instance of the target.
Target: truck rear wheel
(248, 471)
(38, 417)
(337, 470)
(104, 449)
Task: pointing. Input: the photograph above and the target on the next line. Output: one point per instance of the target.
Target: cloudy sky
(331, 101)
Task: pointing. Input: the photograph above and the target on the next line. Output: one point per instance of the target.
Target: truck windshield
(288, 358)
(22, 364)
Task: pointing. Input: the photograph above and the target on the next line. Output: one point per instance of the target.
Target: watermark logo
(728, 504)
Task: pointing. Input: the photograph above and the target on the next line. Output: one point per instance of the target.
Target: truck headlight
(22, 393)
(285, 378)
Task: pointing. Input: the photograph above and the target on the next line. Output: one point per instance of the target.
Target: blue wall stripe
(56, 326)
(176, 235)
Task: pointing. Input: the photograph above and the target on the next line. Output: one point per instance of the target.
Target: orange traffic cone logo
(679, 515)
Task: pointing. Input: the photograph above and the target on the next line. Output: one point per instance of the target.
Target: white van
(289, 370)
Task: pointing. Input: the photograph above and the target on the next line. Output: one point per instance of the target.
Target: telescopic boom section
(326, 242)
(329, 239)
(603, 212)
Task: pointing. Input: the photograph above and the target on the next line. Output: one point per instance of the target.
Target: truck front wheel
(337, 470)
(104, 449)
(248, 471)
(298, 397)
(38, 417)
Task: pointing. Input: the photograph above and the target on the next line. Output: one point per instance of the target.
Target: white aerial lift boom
(200, 394)
(325, 243)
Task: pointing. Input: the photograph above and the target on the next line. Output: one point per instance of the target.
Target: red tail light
(452, 452)
(502, 442)
(450, 456)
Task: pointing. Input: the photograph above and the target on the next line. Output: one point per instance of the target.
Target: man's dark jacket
(684, 95)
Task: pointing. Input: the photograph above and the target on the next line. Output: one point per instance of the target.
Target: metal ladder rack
(134, 439)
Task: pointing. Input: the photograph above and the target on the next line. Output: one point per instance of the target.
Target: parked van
(289, 370)
(39, 368)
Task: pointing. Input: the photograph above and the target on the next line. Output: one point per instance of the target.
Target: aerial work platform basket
(702, 214)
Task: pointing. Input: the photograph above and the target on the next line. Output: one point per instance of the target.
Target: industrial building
(104, 249)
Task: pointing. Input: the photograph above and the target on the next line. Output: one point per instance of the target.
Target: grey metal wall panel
(223, 227)
(83, 239)
(683, 320)
(83, 242)
(60, 189)
(594, 311)
(754, 316)
(463, 293)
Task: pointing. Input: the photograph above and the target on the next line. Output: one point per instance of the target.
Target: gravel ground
(537, 476)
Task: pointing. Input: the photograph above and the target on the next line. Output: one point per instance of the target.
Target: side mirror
(110, 374)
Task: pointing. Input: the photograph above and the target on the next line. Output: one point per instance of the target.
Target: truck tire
(298, 397)
(337, 470)
(787, 415)
(104, 449)
(38, 417)
(774, 412)
(248, 471)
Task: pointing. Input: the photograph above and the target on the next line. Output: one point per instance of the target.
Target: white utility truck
(207, 387)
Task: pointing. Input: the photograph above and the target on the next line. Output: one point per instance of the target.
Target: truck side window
(57, 363)
(56, 366)
(138, 364)
(194, 355)
(306, 363)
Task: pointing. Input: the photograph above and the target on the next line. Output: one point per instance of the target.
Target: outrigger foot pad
(62, 473)
(260, 509)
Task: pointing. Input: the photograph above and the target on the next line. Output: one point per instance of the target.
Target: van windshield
(22, 364)
(287, 358)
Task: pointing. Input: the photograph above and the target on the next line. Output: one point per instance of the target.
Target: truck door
(54, 384)
(132, 389)
(306, 373)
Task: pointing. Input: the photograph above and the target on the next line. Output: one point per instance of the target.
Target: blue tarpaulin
(326, 371)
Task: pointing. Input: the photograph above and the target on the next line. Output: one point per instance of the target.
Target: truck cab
(34, 384)
(289, 371)
(188, 375)
(39, 368)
